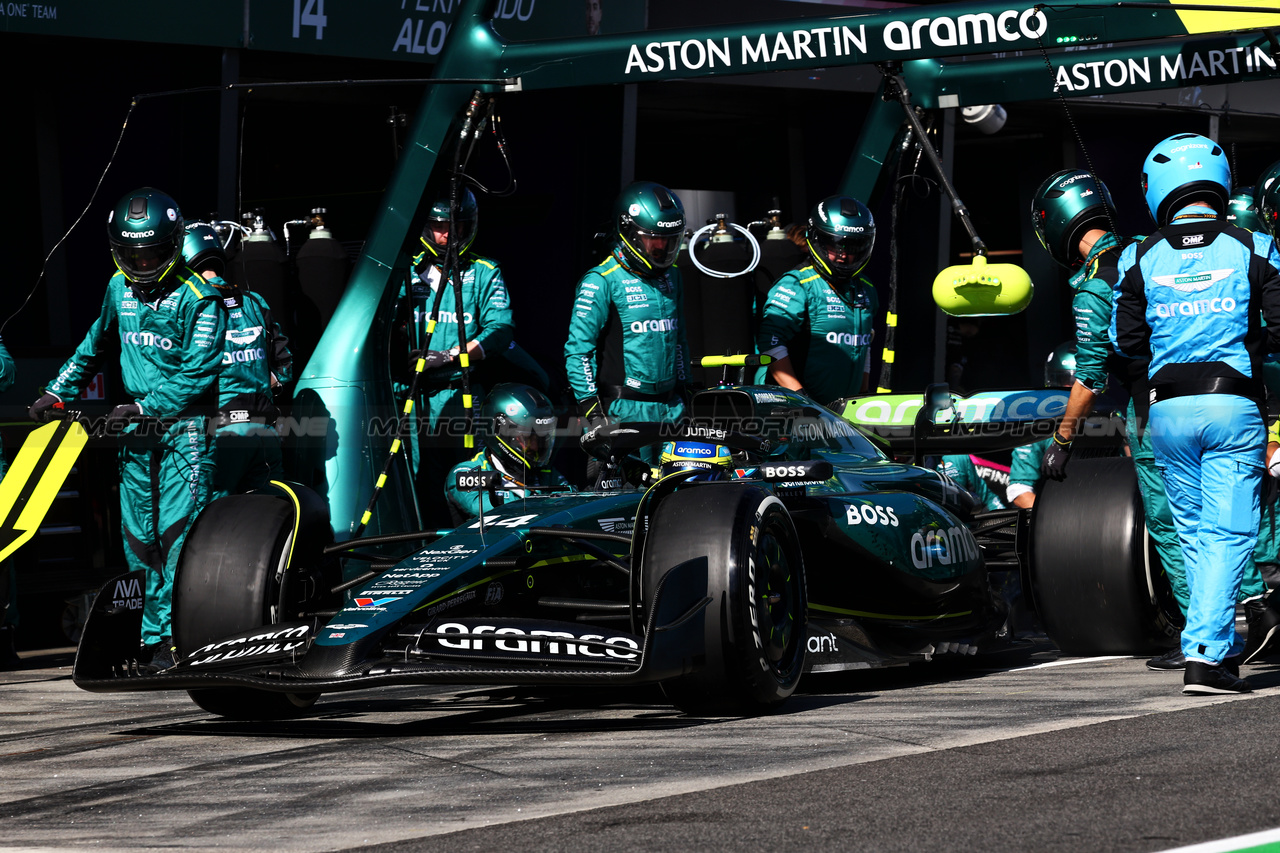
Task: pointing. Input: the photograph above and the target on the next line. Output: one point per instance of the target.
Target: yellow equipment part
(981, 289)
(34, 480)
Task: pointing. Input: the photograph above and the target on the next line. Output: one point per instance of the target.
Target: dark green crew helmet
(1240, 210)
(840, 236)
(1266, 198)
(522, 428)
(1060, 366)
(650, 224)
(466, 224)
(146, 234)
(1068, 205)
(203, 249)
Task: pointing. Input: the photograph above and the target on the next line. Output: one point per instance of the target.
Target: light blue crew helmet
(1181, 170)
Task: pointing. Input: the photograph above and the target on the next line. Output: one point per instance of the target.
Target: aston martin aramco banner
(411, 30)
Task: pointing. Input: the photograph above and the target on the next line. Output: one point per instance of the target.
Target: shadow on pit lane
(490, 711)
(941, 670)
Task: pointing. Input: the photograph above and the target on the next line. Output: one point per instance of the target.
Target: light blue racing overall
(1191, 295)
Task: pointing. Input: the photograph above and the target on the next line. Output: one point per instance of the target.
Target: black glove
(593, 411)
(49, 407)
(1055, 458)
(434, 359)
(123, 414)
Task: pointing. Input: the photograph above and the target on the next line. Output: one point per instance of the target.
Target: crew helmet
(203, 249)
(1060, 366)
(465, 226)
(522, 427)
(646, 210)
(712, 460)
(842, 227)
(1241, 210)
(1067, 205)
(1183, 169)
(145, 232)
(1266, 198)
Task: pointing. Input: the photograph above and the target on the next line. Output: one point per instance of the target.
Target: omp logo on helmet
(242, 337)
(244, 356)
(1192, 283)
(145, 339)
(1192, 239)
(664, 325)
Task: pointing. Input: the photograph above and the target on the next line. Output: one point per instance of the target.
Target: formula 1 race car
(817, 551)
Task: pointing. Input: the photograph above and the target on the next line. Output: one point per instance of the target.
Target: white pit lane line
(1073, 661)
(1252, 841)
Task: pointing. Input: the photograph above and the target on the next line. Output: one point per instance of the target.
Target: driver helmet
(145, 232)
(1069, 204)
(650, 225)
(466, 223)
(1266, 197)
(522, 428)
(840, 236)
(203, 250)
(1060, 366)
(1242, 211)
(1184, 169)
(712, 460)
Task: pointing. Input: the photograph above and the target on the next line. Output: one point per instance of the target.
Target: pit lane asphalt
(1082, 755)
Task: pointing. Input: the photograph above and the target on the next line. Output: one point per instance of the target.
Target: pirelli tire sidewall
(756, 624)
(1096, 579)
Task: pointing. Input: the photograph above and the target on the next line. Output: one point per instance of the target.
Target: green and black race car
(816, 551)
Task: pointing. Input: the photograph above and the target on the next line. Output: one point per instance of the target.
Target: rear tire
(1095, 577)
(756, 626)
(232, 577)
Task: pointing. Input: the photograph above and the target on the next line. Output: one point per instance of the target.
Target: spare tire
(1095, 577)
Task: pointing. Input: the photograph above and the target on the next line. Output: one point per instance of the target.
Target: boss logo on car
(870, 514)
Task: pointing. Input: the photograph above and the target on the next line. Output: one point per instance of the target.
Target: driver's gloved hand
(432, 359)
(1056, 455)
(635, 471)
(49, 407)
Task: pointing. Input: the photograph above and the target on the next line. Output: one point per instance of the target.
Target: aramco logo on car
(942, 547)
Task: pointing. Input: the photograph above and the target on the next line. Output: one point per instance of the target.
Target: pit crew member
(1191, 296)
(818, 317)
(520, 436)
(627, 357)
(489, 329)
(255, 361)
(168, 326)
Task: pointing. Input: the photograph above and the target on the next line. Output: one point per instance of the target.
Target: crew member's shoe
(1263, 621)
(1211, 678)
(161, 656)
(1170, 661)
